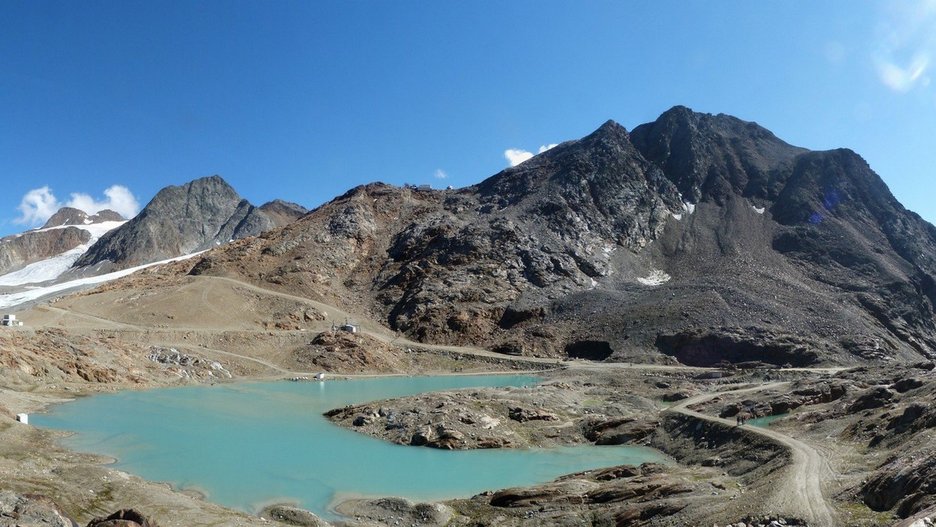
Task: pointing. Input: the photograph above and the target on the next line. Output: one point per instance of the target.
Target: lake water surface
(764, 422)
(247, 445)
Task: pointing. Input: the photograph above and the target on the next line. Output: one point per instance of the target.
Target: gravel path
(801, 493)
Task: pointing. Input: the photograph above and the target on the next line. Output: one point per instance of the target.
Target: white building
(10, 320)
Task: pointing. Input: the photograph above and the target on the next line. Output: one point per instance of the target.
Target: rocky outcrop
(736, 345)
(619, 431)
(123, 518)
(343, 352)
(905, 484)
(622, 495)
(396, 511)
(871, 399)
(282, 212)
(181, 220)
(737, 452)
(31, 509)
(292, 516)
(26, 510)
(66, 216)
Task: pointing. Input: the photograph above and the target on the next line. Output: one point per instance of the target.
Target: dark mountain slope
(704, 237)
(712, 157)
(184, 219)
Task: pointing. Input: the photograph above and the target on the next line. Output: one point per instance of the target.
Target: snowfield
(52, 268)
(35, 293)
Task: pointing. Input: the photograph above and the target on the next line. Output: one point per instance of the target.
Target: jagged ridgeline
(199, 215)
(700, 237)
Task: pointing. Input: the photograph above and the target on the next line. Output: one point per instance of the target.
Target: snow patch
(759, 210)
(15, 299)
(688, 207)
(655, 278)
(52, 268)
(48, 269)
(678, 217)
(96, 229)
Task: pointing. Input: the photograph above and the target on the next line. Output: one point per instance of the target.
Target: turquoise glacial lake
(764, 422)
(248, 445)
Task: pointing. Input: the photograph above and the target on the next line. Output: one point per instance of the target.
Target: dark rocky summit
(184, 219)
(699, 237)
(72, 216)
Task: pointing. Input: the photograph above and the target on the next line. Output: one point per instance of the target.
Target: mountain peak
(611, 126)
(66, 216)
(76, 217)
(711, 156)
(611, 131)
(199, 215)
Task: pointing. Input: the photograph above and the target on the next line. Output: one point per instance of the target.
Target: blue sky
(304, 100)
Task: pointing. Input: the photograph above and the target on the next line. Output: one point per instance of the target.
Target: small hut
(10, 320)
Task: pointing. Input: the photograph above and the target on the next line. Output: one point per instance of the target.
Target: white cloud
(547, 147)
(440, 174)
(515, 156)
(39, 204)
(906, 45)
(118, 199)
(903, 78)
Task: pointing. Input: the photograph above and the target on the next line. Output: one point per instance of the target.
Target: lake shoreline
(50, 442)
(273, 410)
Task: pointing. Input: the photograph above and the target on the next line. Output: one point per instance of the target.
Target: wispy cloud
(515, 156)
(906, 45)
(39, 204)
(440, 174)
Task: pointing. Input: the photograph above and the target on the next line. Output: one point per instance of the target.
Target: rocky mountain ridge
(72, 216)
(185, 219)
(700, 237)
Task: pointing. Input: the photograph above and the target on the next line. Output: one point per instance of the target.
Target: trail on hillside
(800, 493)
(372, 329)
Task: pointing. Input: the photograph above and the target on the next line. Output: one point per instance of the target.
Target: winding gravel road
(800, 495)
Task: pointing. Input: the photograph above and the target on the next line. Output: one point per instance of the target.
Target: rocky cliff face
(184, 219)
(701, 237)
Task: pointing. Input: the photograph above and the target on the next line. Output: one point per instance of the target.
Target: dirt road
(801, 493)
